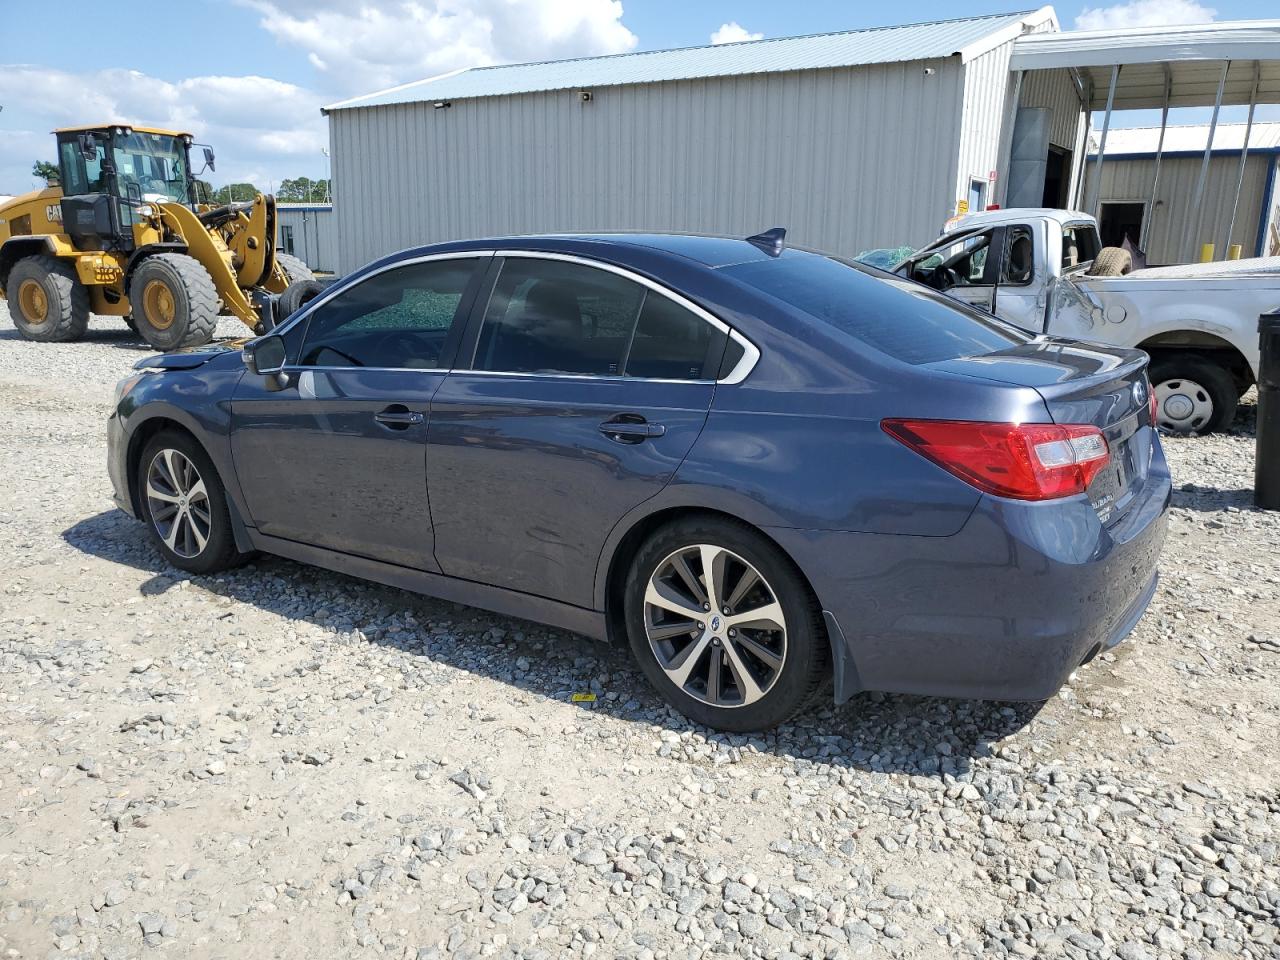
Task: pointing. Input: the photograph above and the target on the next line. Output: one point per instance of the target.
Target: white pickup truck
(1046, 271)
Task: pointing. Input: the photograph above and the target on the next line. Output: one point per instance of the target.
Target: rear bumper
(1005, 609)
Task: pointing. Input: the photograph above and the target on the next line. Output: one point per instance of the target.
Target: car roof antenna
(771, 241)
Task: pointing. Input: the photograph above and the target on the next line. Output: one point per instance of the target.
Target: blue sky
(250, 75)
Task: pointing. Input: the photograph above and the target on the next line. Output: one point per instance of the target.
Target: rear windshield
(905, 320)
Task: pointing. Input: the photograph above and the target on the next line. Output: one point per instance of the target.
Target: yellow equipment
(125, 235)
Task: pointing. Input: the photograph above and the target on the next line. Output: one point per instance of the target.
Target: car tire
(763, 676)
(47, 301)
(174, 301)
(1193, 395)
(173, 468)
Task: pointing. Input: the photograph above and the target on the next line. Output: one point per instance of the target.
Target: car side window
(672, 343)
(551, 316)
(399, 319)
(1019, 261)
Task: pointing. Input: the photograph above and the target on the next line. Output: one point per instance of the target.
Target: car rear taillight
(1027, 461)
(1152, 404)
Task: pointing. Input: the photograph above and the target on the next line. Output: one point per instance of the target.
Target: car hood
(191, 357)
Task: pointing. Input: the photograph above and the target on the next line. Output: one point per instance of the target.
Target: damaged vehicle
(1047, 272)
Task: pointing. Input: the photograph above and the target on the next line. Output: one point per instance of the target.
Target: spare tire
(1111, 262)
(297, 295)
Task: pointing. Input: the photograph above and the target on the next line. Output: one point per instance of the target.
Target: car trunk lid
(1083, 383)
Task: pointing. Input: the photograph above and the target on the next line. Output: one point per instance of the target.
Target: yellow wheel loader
(125, 235)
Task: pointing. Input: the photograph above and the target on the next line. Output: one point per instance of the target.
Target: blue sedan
(761, 468)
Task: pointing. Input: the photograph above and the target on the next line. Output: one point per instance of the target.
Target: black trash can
(1266, 477)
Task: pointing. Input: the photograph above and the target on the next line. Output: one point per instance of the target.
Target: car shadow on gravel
(880, 733)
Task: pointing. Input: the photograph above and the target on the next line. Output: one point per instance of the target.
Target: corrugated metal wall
(986, 93)
(845, 159)
(315, 235)
(1131, 180)
(1054, 89)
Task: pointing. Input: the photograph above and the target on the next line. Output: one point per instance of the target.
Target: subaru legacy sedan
(769, 472)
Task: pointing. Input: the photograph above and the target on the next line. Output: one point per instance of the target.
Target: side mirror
(208, 158)
(265, 356)
(88, 146)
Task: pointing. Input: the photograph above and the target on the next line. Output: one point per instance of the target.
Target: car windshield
(900, 318)
(154, 164)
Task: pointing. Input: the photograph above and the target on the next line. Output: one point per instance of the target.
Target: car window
(549, 316)
(959, 264)
(1019, 259)
(672, 343)
(892, 315)
(1080, 244)
(399, 318)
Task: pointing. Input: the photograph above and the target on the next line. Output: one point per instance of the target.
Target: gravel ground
(285, 762)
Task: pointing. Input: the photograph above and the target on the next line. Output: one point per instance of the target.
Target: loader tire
(294, 269)
(296, 296)
(47, 301)
(1111, 262)
(175, 303)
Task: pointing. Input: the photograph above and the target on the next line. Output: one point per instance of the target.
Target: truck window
(1080, 244)
(959, 264)
(1019, 261)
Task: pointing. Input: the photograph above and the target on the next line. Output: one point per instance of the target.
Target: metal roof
(966, 38)
(1189, 138)
(1189, 58)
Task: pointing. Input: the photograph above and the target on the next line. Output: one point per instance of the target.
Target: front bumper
(1005, 609)
(118, 463)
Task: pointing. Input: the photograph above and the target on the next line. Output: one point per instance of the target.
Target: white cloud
(361, 47)
(1144, 13)
(733, 32)
(262, 129)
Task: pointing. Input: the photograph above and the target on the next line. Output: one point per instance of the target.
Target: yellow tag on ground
(583, 698)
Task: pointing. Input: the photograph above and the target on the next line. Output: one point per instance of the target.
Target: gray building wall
(845, 159)
(315, 234)
(1129, 179)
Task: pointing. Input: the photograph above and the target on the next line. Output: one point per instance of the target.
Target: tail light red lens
(1028, 461)
(1152, 403)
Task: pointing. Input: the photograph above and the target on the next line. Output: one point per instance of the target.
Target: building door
(1119, 219)
(1057, 178)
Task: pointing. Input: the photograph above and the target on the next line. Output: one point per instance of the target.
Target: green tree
(203, 191)
(303, 190)
(46, 171)
(234, 193)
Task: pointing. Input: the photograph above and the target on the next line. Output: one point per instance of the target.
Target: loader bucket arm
(214, 256)
(253, 244)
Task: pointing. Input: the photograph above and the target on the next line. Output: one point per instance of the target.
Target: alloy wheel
(178, 503)
(1183, 405)
(715, 626)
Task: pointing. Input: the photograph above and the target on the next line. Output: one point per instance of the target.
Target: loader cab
(111, 174)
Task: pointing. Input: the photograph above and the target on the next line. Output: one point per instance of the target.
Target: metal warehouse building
(1156, 212)
(867, 138)
(850, 140)
(308, 231)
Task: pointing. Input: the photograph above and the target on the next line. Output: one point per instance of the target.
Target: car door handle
(398, 417)
(631, 428)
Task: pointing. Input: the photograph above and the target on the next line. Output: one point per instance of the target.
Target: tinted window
(895, 316)
(673, 344)
(400, 318)
(548, 316)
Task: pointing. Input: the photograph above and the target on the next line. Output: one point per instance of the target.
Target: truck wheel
(175, 303)
(1193, 395)
(1111, 262)
(47, 301)
(294, 269)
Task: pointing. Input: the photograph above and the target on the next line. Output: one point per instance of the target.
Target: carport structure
(1212, 65)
